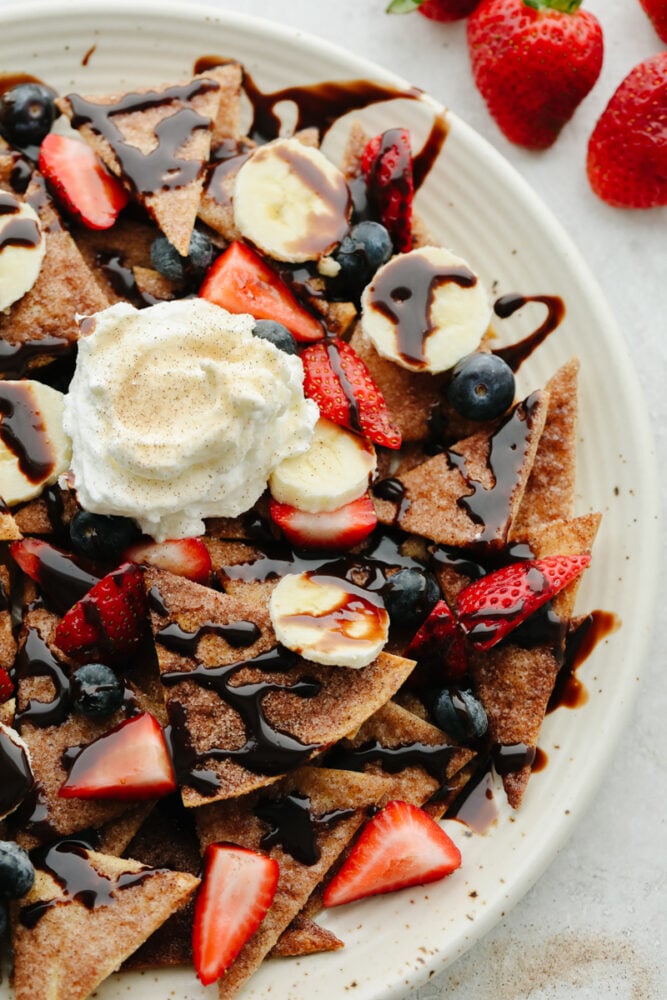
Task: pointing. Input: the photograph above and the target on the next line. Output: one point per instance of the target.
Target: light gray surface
(594, 925)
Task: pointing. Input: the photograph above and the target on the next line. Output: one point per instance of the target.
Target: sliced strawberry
(81, 182)
(187, 557)
(131, 761)
(399, 847)
(335, 529)
(236, 891)
(440, 638)
(62, 578)
(387, 166)
(343, 388)
(6, 686)
(242, 282)
(108, 621)
(490, 608)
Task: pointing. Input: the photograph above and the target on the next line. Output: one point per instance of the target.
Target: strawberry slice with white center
(81, 182)
(6, 686)
(332, 529)
(343, 388)
(490, 608)
(131, 761)
(440, 639)
(186, 557)
(109, 621)
(236, 891)
(49, 567)
(401, 846)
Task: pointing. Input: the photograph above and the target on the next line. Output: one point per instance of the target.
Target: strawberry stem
(403, 6)
(565, 6)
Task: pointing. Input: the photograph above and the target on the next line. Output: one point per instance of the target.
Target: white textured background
(595, 925)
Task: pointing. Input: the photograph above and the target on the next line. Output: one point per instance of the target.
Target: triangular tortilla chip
(341, 794)
(63, 947)
(305, 937)
(158, 142)
(515, 684)
(470, 493)
(291, 708)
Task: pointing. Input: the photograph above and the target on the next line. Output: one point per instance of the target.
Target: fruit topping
(440, 641)
(328, 620)
(490, 608)
(236, 892)
(62, 578)
(242, 282)
(459, 714)
(16, 871)
(96, 691)
(627, 152)
(22, 248)
(102, 537)
(409, 595)
(291, 202)
(657, 12)
(534, 61)
(481, 387)
(27, 113)
(6, 686)
(335, 470)
(109, 621)
(341, 385)
(399, 847)
(425, 310)
(34, 449)
(81, 182)
(276, 334)
(436, 10)
(335, 529)
(187, 557)
(387, 166)
(166, 259)
(362, 251)
(130, 762)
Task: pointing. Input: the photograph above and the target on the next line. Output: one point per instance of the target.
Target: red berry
(186, 557)
(387, 166)
(81, 182)
(334, 529)
(657, 11)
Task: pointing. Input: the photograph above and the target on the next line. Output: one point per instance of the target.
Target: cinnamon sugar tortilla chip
(515, 684)
(236, 822)
(72, 948)
(549, 492)
(177, 123)
(468, 494)
(9, 529)
(37, 517)
(206, 726)
(304, 937)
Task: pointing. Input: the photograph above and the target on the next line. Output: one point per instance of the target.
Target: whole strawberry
(435, 10)
(657, 11)
(627, 153)
(534, 61)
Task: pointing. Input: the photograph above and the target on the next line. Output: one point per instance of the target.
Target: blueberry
(365, 248)
(481, 387)
(96, 691)
(16, 872)
(276, 334)
(460, 714)
(27, 113)
(167, 260)
(102, 537)
(409, 595)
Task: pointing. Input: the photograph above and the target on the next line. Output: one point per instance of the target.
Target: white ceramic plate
(477, 204)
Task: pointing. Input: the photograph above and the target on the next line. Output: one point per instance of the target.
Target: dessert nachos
(286, 565)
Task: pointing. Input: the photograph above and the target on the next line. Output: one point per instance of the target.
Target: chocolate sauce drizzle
(23, 432)
(489, 506)
(227, 157)
(507, 305)
(161, 169)
(122, 279)
(432, 758)
(35, 659)
(266, 750)
(294, 826)
(404, 293)
(17, 776)
(69, 863)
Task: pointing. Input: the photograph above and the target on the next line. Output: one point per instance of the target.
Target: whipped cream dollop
(22, 248)
(177, 413)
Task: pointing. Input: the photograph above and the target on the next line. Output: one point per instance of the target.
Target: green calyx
(403, 6)
(565, 6)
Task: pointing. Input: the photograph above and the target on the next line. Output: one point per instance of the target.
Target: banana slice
(22, 248)
(328, 620)
(336, 469)
(425, 310)
(291, 202)
(34, 449)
